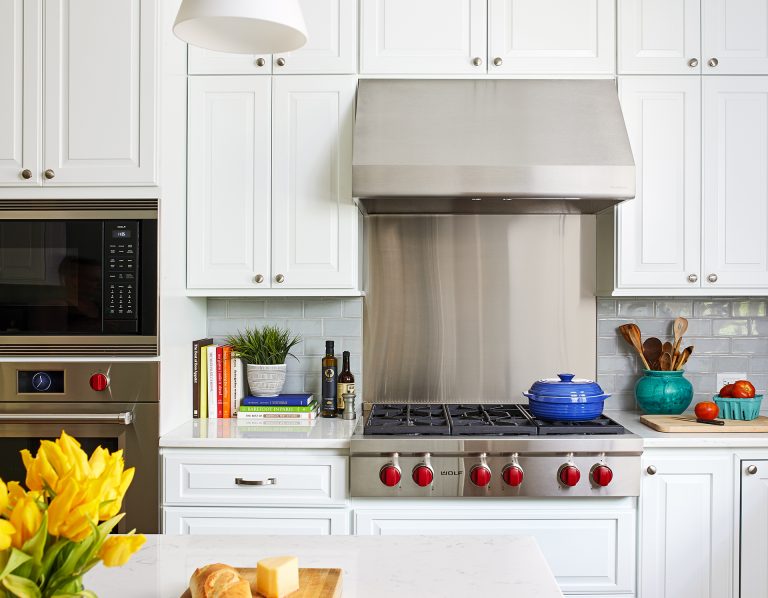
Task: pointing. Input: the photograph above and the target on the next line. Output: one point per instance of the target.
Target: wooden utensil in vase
(652, 350)
(679, 328)
(684, 357)
(631, 334)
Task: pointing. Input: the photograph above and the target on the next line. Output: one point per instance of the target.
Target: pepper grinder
(349, 406)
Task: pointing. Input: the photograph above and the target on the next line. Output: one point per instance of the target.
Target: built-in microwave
(78, 277)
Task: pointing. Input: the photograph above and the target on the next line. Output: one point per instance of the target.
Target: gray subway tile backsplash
(729, 335)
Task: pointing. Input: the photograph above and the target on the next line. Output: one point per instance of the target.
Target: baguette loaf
(218, 581)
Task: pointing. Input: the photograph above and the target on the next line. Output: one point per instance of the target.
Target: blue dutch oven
(566, 399)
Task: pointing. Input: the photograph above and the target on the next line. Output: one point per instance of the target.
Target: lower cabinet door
(283, 522)
(754, 523)
(590, 552)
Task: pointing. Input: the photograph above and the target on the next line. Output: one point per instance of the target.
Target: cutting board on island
(313, 583)
(687, 423)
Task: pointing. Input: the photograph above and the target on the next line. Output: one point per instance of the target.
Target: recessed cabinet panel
(314, 221)
(423, 36)
(659, 37)
(734, 37)
(659, 230)
(207, 62)
(754, 528)
(213, 520)
(99, 92)
(735, 183)
(551, 36)
(228, 197)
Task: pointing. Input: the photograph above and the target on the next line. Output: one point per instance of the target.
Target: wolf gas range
(474, 451)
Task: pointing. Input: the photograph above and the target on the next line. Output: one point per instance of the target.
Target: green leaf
(21, 587)
(83, 594)
(15, 560)
(34, 547)
(49, 558)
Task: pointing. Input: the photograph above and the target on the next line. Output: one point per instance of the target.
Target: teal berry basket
(742, 409)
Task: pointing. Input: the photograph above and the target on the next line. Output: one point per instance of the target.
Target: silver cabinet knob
(279, 278)
(477, 61)
(693, 63)
(752, 469)
(693, 278)
(26, 174)
(712, 278)
(258, 279)
(498, 61)
(651, 470)
(49, 174)
(280, 62)
(713, 62)
(260, 62)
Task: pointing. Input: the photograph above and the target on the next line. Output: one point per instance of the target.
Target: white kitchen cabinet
(423, 36)
(331, 47)
(215, 520)
(270, 190)
(228, 196)
(734, 36)
(660, 230)
(589, 551)
(659, 37)
(551, 36)
(754, 523)
(686, 525)
(735, 182)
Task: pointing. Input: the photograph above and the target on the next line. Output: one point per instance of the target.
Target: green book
(278, 408)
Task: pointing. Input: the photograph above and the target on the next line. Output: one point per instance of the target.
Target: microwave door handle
(125, 418)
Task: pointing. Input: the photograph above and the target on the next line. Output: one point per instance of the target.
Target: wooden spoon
(631, 334)
(684, 357)
(652, 351)
(679, 328)
(665, 362)
(667, 347)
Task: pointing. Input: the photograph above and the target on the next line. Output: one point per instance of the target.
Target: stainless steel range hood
(490, 146)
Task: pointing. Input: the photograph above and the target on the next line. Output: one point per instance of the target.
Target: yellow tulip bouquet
(55, 530)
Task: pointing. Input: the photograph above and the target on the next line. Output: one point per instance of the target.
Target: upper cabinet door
(423, 36)
(314, 221)
(551, 36)
(734, 37)
(735, 182)
(100, 72)
(19, 92)
(660, 229)
(659, 37)
(228, 197)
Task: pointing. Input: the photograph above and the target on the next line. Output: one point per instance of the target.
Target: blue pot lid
(566, 387)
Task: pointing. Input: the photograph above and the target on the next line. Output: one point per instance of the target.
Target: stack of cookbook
(291, 409)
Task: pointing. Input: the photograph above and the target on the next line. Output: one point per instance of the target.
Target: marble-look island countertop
(374, 566)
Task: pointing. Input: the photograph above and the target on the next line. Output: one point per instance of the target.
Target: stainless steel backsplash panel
(475, 308)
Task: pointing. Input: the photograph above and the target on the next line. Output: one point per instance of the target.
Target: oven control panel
(121, 270)
(32, 381)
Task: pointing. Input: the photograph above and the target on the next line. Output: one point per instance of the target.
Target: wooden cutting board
(313, 583)
(688, 423)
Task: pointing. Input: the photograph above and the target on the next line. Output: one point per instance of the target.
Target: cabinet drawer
(241, 479)
(255, 522)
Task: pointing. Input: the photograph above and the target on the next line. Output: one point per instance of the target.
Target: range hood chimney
(512, 146)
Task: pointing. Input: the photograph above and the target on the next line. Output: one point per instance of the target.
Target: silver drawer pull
(125, 418)
(267, 482)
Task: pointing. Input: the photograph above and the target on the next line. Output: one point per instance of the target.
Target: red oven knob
(569, 475)
(513, 475)
(423, 475)
(480, 475)
(602, 475)
(99, 382)
(389, 475)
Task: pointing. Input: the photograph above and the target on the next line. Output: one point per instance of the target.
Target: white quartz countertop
(331, 433)
(374, 566)
(653, 439)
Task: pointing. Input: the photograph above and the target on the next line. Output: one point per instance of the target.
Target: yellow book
(204, 382)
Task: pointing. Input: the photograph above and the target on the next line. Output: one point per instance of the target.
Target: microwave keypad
(121, 272)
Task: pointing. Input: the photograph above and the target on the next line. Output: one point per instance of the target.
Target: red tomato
(706, 410)
(726, 391)
(743, 389)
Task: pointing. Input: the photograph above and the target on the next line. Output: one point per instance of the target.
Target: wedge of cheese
(277, 576)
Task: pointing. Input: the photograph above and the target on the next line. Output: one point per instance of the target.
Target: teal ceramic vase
(663, 393)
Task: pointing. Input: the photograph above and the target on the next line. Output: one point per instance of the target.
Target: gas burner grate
(490, 420)
(600, 425)
(408, 420)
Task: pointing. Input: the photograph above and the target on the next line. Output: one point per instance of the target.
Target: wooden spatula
(665, 362)
(684, 357)
(679, 328)
(631, 334)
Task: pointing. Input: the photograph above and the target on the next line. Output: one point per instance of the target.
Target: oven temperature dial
(513, 475)
(423, 475)
(99, 382)
(390, 475)
(569, 475)
(480, 475)
(601, 475)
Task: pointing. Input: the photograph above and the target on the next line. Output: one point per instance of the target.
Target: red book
(219, 381)
(227, 379)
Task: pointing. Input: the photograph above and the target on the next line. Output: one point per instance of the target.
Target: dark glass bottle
(329, 374)
(346, 382)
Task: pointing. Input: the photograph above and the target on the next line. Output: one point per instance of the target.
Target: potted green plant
(264, 350)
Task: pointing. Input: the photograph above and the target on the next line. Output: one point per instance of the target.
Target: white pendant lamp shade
(242, 26)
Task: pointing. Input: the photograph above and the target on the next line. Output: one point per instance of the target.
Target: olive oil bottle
(330, 382)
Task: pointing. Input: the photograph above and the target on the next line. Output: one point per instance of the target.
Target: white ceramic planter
(265, 380)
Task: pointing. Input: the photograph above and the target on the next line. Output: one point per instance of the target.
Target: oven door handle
(125, 418)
